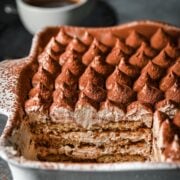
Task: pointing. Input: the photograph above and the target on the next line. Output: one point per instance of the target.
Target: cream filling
(87, 116)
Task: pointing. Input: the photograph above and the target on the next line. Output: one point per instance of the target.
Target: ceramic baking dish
(13, 91)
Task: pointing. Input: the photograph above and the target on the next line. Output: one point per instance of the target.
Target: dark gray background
(15, 41)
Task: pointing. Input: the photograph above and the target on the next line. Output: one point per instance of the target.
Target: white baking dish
(23, 169)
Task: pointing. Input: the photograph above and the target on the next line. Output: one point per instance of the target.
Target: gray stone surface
(15, 41)
(161, 10)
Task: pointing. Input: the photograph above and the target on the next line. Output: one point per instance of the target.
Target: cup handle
(10, 9)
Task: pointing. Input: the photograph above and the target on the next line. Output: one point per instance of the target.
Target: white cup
(35, 18)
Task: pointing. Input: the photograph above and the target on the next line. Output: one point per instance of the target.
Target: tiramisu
(105, 96)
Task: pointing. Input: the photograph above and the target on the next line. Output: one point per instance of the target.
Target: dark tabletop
(15, 41)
